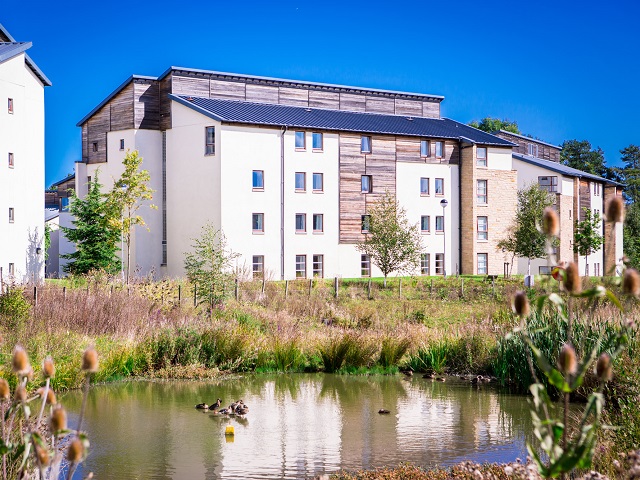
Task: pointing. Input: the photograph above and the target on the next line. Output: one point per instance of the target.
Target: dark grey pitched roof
(32, 65)
(65, 179)
(563, 169)
(233, 111)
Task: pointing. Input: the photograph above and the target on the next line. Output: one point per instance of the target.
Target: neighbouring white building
(21, 162)
(288, 170)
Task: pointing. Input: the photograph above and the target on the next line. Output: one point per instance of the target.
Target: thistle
(51, 396)
(20, 395)
(75, 451)
(58, 419)
(5, 392)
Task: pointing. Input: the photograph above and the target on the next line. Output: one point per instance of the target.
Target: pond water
(298, 426)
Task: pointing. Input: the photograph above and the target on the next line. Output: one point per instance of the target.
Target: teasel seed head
(521, 304)
(51, 396)
(573, 282)
(20, 362)
(58, 419)
(5, 391)
(567, 362)
(90, 360)
(48, 368)
(604, 369)
(615, 210)
(75, 451)
(550, 222)
(43, 456)
(20, 395)
(631, 282)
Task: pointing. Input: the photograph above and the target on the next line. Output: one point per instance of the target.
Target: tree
(95, 234)
(587, 238)
(210, 266)
(525, 239)
(631, 235)
(392, 243)
(630, 173)
(509, 244)
(578, 154)
(128, 194)
(490, 124)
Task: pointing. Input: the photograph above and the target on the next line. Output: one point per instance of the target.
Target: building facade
(21, 162)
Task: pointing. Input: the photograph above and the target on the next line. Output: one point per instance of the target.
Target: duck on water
(236, 408)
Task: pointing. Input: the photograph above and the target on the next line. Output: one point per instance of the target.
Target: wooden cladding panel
(198, 87)
(381, 165)
(380, 105)
(121, 109)
(431, 109)
(297, 97)
(97, 128)
(227, 90)
(354, 103)
(165, 102)
(146, 102)
(451, 152)
(408, 150)
(261, 94)
(585, 198)
(410, 108)
(324, 99)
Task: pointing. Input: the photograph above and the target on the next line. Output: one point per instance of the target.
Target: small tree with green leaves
(209, 266)
(95, 233)
(129, 193)
(587, 238)
(392, 243)
(490, 124)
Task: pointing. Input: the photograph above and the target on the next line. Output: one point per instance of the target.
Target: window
(301, 181)
(316, 141)
(483, 228)
(258, 266)
(482, 264)
(318, 182)
(481, 156)
(550, 184)
(365, 219)
(424, 148)
(439, 186)
(300, 141)
(10, 105)
(439, 223)
(318, 266)
(365, 266)
(439, 149)
(596, 189)
(301, 223)
(89, 180)
(12, 216)
(481, 192)
(439, 263)
(164, 253)
(366, 186)
(64, 204)
(11, 160)
(424, 264)
(424, 186)
(258, 179)
(532, 149)
(365, 144)
(12, 269)
(122, 144)
(544, 270)
(596, 269)
(210, 140)
(424, 223)
(95, 146)
(257, 222)
(301, 266)
(318, 223)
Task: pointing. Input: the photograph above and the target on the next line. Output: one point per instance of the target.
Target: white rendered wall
(21, 187)
(598, 255)
(499, 159)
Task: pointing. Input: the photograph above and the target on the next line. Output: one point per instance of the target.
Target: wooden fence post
(195, 295)
(462, 287)
(431, 289)
(310, 285)
(335, 285)
(64, 294)
(179, 294)
(237, 290)
(400, 289)
(263, 284)
(35, 296)
(286, 288)
(369, 290)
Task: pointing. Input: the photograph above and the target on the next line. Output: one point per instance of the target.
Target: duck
(408, 373)
(479, 379)
(384, 411)
(432, 376)
(242, 410)
(202, 406)
(440, 379)
(215, 406)
(225, 411)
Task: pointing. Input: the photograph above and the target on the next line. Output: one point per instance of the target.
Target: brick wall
(467, 210)
(610, 237)
(565, 212)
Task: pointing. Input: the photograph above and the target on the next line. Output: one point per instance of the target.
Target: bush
(14, 309)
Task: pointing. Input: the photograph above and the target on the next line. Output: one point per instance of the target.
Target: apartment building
(21, 162)
(289, 170)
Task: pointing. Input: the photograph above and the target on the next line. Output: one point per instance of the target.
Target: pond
(298, 426)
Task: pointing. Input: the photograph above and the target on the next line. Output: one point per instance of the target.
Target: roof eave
(39, 73)
(530, 139)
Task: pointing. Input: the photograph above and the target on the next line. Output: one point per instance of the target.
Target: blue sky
(563, 70)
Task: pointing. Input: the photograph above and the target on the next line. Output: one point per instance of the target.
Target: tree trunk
(128, 255)
(385, 281)
(586, 265)
(528, 266)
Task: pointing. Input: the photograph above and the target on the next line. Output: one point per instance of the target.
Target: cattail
(572, 281)
(550, 222)
(567, 362)
(615, 210)
(75, 451)
(521, 304)
(51, 396)
(48, 368)
(20, 362)
(20, 395)
(5, 391)
(604, 371)
(90, 360)
(631, 282)
(43, 456)
(58, 419)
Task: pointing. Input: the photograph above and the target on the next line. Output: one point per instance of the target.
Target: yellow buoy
(229, 431)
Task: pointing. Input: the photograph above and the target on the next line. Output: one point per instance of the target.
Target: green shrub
(392, 351)
(14, 309)
(430, 358)
(333, 352)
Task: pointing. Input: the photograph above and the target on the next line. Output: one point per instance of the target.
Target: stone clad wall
(565, 212)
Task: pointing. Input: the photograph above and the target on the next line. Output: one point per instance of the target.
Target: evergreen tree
(95, 235)
(578, 154)
(490, 124)
(587, 237)
(631, 235)
(631, 172)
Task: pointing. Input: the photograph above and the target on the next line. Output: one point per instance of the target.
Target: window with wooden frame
(365, 144)
(318, 266)
(425, 260)
(316, 141)
(301, 182)
(483, 228)
(440, 223)
(318, 182)
(11, 160)
(439, 149)
(439, 186)
(365, 266)
(550, 184)
(257, 180)
(257, 222)
(364, 223)
(425, 223)
(301, 223)
(439, 263)
(318, 223)
(301, 266)
(424, 186)
(481, 156)
(366, 184)
(258, 266)
(301, 143)
(210, 140)
(425, 148)
(532, 149)
(483, 267)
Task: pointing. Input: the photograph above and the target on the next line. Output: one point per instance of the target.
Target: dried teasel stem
(572, 281)
(45, 397)
(615, 210)
(604, 370)
(631, 282)
(74, 456)
(20, 362)
(89, 365)
(521, 304)
(567, 362)
(550, 222)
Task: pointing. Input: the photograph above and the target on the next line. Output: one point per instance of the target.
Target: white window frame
(422, 219)
(482, 198)
(260, 217)
(11, 160)
(482, 227)
(302, 175)
(435, 190)
(532, 149)
(10, 105)
(317, 266)
(440, 220)
(12, 215)
(301, 266)
(257, 264)
(439, 264)
(209, 147)
(315, 217)
(303, 218)
(440, 146)
(485, 256)
(260, 175)
(313, 180)
(365, 266)
(425, 148)
(300, 135)
(481, 161)
(425, 264)
(423, 192)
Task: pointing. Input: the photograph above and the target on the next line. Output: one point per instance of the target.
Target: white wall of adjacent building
(21, 187)
(595, 261)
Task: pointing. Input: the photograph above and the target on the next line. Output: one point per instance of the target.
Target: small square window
(440, 223)
(482, 264)
(318, 182)
(210, 141)
(424, 264)
(481, 156)
(424, 186)
(439, 263)
(318, 223)
(365, 222)
(95, 146)
(257, 222)
(318, 266)
(532, 149)
(365, 144)
(316, 141)
(258, 180)
(425, 149)
(366, 185)
(300, 141)
(301, 223)
(550, 184)
(439, 186)
(10, 105)
(301, 182)
(425, 223)
(258, 266)
(483, 228)
(365, 266)
(12, 215)
(481, 192)
(439, 149)
(301, 266)
(122, 144)
(11, 164)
